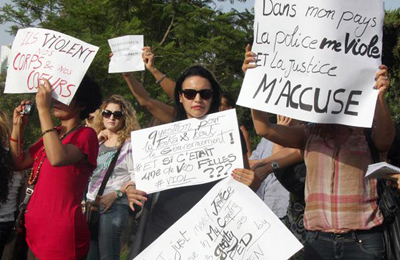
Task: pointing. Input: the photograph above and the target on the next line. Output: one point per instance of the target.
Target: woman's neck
(68, 125)
(112, 139)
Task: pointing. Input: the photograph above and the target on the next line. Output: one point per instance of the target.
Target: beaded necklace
(35, 175)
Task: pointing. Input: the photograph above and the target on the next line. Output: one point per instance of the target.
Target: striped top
(338, 197)
(123, 171)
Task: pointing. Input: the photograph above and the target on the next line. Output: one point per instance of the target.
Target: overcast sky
(6, 38)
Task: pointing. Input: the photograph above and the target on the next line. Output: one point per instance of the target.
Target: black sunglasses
(107, 114)
(191, 94)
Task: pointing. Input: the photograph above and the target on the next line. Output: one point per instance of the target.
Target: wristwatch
(275, 165)
(119, 193)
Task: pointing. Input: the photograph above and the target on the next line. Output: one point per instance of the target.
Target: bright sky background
(6, 38)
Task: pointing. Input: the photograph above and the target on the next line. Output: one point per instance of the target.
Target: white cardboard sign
(229, 222)
(40, 53)
(316, 60)
(127, 54)
(186, 152)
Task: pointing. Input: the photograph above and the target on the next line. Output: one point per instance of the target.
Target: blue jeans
(359, 244)
(107, 245)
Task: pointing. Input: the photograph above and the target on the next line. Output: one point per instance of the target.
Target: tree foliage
(391, 57)
(181, 32)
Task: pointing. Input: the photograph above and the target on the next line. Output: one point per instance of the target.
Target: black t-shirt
(174, 203)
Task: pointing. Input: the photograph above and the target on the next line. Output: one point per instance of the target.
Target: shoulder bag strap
(108, 173)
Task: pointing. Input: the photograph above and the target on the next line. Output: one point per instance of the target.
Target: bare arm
(161, 111)
(287, 136)
(167, 84)
(383, 131)
(285, 157)
(57, 153)
(279, 134)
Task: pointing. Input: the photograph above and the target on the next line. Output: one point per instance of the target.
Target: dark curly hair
(6, 170)
(200, 71)
(88, 96)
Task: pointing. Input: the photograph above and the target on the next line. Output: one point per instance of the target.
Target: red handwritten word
(25, 61)
(59, 84)
(30, 38)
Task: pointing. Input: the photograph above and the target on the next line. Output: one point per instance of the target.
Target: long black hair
(200, 71)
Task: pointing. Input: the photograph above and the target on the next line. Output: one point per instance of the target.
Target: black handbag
(92, 208)
(389, 204)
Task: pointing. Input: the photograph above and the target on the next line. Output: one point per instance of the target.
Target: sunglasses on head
(191, 94)
(117, 114)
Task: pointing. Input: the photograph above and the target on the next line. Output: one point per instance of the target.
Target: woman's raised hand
(249, 59)
(103, 135)
(43, 96)
(18, 118)
(283, 120)
(382, 79)
(148, 58)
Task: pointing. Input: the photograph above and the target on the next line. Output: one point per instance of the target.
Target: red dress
(55, 225)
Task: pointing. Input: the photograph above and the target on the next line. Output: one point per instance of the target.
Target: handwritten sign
(316, 60)
(127, 52)
(44, 54)
(187, 152)
(230, 222)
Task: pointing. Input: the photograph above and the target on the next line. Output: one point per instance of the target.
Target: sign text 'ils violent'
(316, 60)
(187, 152)
(45, 54)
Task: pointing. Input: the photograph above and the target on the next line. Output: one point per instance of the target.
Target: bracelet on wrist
(49, 130)
(16, 141)
(161, 79)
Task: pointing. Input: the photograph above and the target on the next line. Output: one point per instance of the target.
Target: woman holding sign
(197, 93)
(342, 216)
(114, 124)
(61, 163)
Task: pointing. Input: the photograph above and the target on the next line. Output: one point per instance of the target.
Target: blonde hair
(130, 122)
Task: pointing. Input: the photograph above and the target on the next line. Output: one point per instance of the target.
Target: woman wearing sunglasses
(197, 93)
(61, 163)
(114, 122)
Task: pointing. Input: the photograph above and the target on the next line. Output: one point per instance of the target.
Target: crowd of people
(310, 175)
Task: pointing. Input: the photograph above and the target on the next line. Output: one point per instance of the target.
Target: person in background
(228, 103)
(271, 191)
(61, 162)
(10, 182)
(114, 124)
(90, 119)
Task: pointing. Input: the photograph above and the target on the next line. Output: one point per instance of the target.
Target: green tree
(181, 32)
(391, 57)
